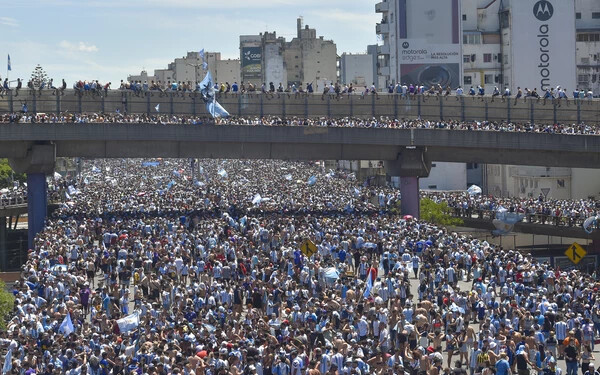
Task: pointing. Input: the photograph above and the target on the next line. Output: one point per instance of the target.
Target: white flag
(157, 107)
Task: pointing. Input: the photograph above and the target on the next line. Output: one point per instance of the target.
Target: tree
(7, 304)
(38, 77)
(7, 175)
(438, 213)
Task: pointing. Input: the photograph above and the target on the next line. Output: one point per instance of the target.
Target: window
(583, 78)
(472, 165)
(468, 80)
(596, 15)
(560, 183)
(464, 17)
(578, 15)
(505, 59)
(466, 58)
(432, 187)
(432, 165)
(472, 39)
(583, 37)
(487, 57)
(499, 58)
(488, 79)
(585, 60)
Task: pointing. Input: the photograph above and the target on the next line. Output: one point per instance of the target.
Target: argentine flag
(367, 292)
(8, 64)
(129, 323)
(66, 327)
(7, 362)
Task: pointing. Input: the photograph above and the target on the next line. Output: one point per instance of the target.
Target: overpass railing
(531, 218)
(529, 110)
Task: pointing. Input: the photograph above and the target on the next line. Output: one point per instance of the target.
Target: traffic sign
(575, 253)
(308, 248)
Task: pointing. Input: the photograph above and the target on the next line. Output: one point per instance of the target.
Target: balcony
(382, 7)
(383, 50)
(382, 28)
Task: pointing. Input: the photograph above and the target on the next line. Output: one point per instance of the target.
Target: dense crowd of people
(348, 122)
(205, 267)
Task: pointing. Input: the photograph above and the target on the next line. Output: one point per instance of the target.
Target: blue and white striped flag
(367, 292)
(66, 327)
(7, 362)
(129, 323)
(201, 53)
(215, 109)
(9, 67)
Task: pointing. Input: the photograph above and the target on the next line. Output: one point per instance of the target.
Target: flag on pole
(66, 327)
(367, 292)
(7, 362)
(9, 67)
(201, 53)
(157, 107)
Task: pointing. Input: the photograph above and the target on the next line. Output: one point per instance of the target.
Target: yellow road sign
(308, 248)
(575, 253)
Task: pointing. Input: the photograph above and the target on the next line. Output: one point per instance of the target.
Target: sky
(109, 39)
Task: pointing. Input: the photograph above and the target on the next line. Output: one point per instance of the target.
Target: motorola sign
(543, 10)
(542, 48)
(405, 45)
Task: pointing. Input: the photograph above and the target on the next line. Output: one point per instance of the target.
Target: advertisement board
(251, 62)
(430, 43)
(543, 44)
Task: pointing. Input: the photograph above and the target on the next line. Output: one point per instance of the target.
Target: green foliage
(438, 213)
(5, 175)
(7, 303)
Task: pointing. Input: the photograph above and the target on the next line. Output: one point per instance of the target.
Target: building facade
(496, 38)
(189, 69)
(356, 69)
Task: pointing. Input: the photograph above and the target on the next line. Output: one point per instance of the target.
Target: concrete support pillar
(411, 164)
(3, 230)
(38, 163)
(37, 204)
(411, 201)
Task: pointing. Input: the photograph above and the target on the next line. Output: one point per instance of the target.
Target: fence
(312, 105)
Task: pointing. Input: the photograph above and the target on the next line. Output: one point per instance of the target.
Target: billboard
(543, 44)
(251, 62)
(430, 43)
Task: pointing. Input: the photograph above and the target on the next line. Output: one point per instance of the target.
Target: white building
(356, 69)
(488, 52)
(142, 77)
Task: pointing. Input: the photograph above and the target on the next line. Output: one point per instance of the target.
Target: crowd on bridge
(539, 210)
(25, 117)
(337, 90)
(204, 267)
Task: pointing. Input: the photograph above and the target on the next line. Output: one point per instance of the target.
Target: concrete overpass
(312, 105)
(19, 141)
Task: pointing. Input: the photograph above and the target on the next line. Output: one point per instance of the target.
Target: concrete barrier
(315, 105)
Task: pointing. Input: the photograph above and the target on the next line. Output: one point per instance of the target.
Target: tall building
(251, 57)
(356, 69)
(306, 58)
(498, 35)
(421, 42)
(310, 58)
